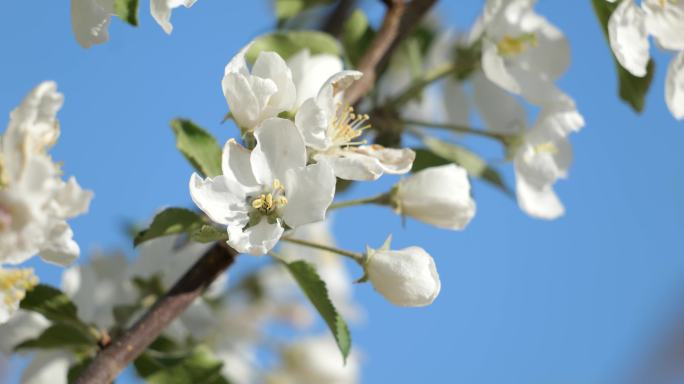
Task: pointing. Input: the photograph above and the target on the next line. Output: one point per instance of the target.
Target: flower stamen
(347, 126)
(511, 46)
(14, 283)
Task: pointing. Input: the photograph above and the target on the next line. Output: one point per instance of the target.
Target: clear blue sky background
(578, 300)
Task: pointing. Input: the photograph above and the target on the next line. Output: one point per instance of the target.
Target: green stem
(459, 129)
(382, 199)
(353, 255)
(415, 89)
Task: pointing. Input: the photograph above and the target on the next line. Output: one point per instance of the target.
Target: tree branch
(116, 356)
(400, 19)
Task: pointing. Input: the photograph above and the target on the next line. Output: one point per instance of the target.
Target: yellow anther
(547, 147)
(278, 186)
(281, 201)
(509, 45)
(14, 283)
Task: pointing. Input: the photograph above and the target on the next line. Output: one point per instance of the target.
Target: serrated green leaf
(61, 335)
(315, 289)
(632, 89)
(200, 366)
(127, 10)
(440, 152)
(285, 9)
(198, 146)
(170, 221)
(357, 36)
(288, 43)
(208, 234)
(51, 303)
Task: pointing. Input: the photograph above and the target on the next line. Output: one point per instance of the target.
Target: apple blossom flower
(90, 18)
(406, 277)
(260, 93)
(34, 201)
(521, 51)
(331, 131)
(439, 196)
(629, 27)
(310, 72)
(266, 190)
(314, 359)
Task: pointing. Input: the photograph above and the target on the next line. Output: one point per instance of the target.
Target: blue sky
(577, 300)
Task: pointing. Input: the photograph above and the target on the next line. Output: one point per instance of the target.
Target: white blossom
(406, 277)
(521, 51)
(629, 27)
(332, 130)
(439, 196)
(34, 201)
(314, 360)
(260, 93)
(262, 191)
(90, 18)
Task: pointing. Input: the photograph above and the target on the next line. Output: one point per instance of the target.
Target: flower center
(511, 46)
(14, 283)
(267, 203)
(347, 126)
(547, 147)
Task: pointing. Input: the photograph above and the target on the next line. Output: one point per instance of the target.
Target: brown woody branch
(400, 19)
(111, 360)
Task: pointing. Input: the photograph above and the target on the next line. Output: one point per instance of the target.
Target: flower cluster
(35, 203)
(629, 28)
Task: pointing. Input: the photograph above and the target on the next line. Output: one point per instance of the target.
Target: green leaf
(51, 303)
(632, 89)
(198, 146)
(208, 234)
(314, 288)
(357, 36)
(200, 366)
(127, 10)
(288, 43)
(440, 152)
(61, 335)
(170, 221)
(286, 9)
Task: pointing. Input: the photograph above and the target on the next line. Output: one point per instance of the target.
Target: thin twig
(400, 19)
(110, 361)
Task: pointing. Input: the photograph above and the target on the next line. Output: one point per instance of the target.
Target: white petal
(269, 65)
(629, 38)
(499, 109)
(309, 191)
(238, 64)
(256, 240)
(342, 80)
(279, 147)
(247, 97)
(90, 21)
(161, 11)
(665, 21)
(222, 200)
(538, 202)
(313, 122)
(309, 72)
(674, 86)
(60, 247)
(494, 68)
(236, 165)
(71, 199)
(24, 325)
(392, 160)
(349, 165)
